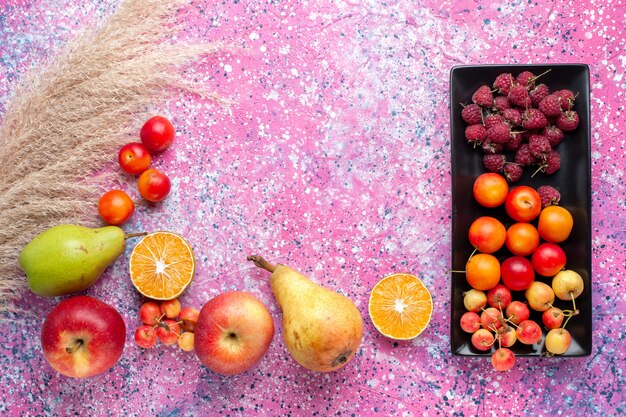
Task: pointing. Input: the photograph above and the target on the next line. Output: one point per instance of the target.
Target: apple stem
(131, 235)
(573, 300)
(261, 263)
(74, 347)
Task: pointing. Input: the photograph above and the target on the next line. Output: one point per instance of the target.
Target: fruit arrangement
(517, 271)
(166, 321)
(83, 336)
(518, 122)
(157, 134)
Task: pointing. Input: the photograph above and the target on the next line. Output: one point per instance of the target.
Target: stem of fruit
(260, 262)
(543, 73)
(74, 347)
(131, 235)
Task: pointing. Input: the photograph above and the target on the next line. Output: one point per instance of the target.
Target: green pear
(322, 328)
(69, 258)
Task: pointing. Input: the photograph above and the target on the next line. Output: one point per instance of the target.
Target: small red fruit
(150, 313)
(490, 189)
(168, 331)
(528, 332)
(523, 203)
(154, 185)
(517, 273)
(157, 134)
(548, 259)
(499, 297)
(487, 234)
(134, 158)
(146, 336)
(115, 207)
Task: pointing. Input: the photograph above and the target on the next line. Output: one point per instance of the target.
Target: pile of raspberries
(518, 116)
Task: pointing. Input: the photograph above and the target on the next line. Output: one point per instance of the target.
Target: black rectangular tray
(573, 180)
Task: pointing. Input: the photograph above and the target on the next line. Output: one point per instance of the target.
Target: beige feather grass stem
(66, 121)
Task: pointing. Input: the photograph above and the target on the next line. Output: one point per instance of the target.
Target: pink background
(335, 160)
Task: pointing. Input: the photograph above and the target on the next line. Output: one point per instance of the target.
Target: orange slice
(162, 265)
(400, 306)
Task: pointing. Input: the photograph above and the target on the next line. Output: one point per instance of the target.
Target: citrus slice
(400, 306)
(162, 265)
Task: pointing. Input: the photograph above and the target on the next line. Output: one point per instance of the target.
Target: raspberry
(499, 133)
(539, 146)
(533, 119)
(514, 142)
(513, 116)
(501, 103)
(483, 96)
(475, 134)
(493, 119)
(550, 106)
(523, 155)
(551, 163)
(503, 83)
(472, 114)
(567, 121)
(512, 172)
(518, 95)
(526, 78)
(567, 99)
(550, 196)
(538, 93)
(490, 147)
(554, 135)
(494, 162)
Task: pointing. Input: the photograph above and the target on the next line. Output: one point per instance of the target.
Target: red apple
(83, 336)
(150, 313)
(233, 332)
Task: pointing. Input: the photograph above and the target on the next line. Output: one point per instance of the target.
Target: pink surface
(335, 160)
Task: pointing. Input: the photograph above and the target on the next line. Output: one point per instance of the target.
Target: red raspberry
(550, 196)
(523, 155)
(538, 93)
(518, 95)
(554, 135)
(483, 96)
(539, 146)
(512, 172)
(567, 121)
(494, 162)
(493, 119)
(514, 142)
(475, 134)
(501, 103)
(526, 78)
(567, 99)
(533, 119)
(503, 83)
(499, 133)
(513, 116)
(552, 163)
(472, 114)
(490, 147)
(550, 106)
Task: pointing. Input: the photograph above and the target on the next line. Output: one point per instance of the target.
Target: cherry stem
(74, 347)
(261, 263)
(571, 294)
(131, 235)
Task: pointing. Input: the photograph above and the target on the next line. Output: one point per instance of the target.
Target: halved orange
(162, 265)
(400, 306)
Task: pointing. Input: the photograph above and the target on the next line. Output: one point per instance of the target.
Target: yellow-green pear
(69, 258)
(322, 328)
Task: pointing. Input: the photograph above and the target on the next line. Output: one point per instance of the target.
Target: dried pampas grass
(67, 120)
